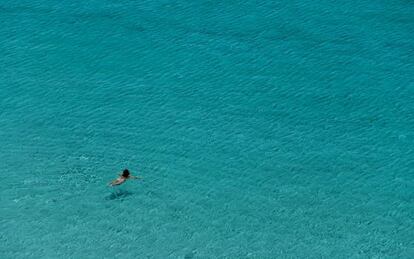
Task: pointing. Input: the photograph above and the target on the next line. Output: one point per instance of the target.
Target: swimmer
(122, 178)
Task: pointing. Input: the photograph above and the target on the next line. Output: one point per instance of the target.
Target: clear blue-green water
(262, 129)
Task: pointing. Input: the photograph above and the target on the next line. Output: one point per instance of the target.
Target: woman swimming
(122, 178)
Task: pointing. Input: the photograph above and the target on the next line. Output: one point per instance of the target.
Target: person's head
(125, 173)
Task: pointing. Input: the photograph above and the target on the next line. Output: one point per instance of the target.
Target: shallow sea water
(262, 129)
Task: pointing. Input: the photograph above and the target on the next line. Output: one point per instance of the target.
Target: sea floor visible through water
(261, 129)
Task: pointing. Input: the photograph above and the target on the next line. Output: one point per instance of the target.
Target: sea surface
(261, 129)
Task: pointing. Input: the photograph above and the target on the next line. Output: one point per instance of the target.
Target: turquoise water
(262, 129)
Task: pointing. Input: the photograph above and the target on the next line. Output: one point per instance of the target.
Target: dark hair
(125, 173)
